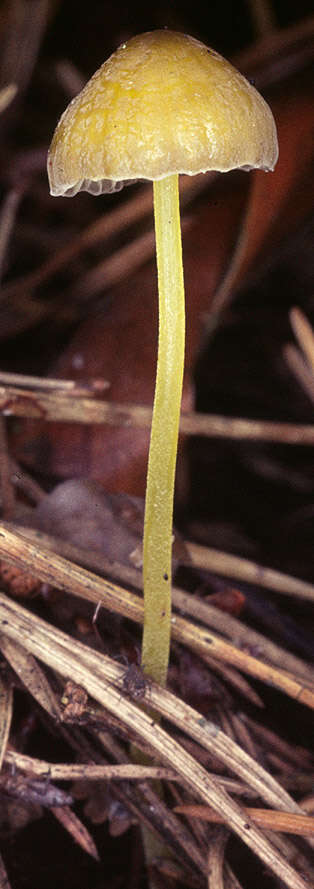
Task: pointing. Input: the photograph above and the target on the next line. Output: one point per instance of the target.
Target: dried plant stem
(304, 334)
(120, 771)
(16, 622)
(88, 772)
(131, 211)
(115, 268)
(67, 657)
(300, 368)
(297, 756)
(192, 605)
(26, 483)
(251, 572)
(231, 881)
(7, 220)
(285, 822)
(263, 16)
(6, 713)
(53, 569)
(216, 855)
(34, 679)
(53, 384)
(76, 829)
(233, 628)
(35, 403)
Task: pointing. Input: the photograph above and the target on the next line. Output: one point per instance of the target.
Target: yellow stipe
(164, 432)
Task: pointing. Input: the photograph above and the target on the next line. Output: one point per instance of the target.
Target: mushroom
(161, 105)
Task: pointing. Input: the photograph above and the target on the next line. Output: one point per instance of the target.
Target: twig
(76, 829)
(179, 796)
(26, 483)
(66, 387)
(234, 678)
(304, 334)
(89, 772)
(70, 78)
(55, 407)
(55, 570)
(7, 219)
(242, 734)
(131, 211)
(168, 824)
(6, 712)
(234, 566)
(113, 269)
(178, 874)
(302, 825)
(263, 16)
(121, 265)
(62, 655)
(49, 644)
(32, 675)
(300, 369)
(216, 854)
(235, 629)
(240, 259)
(308, 803)
(24, 34)
(7, 94)
(120, 771)
(296, 755)
(185, 603)
(231, 881)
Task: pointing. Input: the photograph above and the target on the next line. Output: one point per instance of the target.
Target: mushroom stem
(157, 545)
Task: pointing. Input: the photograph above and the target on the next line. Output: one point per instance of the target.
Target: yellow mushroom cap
(163, 103)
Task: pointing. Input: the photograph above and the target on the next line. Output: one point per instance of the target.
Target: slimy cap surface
(163, 103)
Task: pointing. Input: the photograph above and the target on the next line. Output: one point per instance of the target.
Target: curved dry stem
(19, 550)
(86, 666)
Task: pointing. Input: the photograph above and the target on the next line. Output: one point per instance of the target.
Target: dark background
(256, 500)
